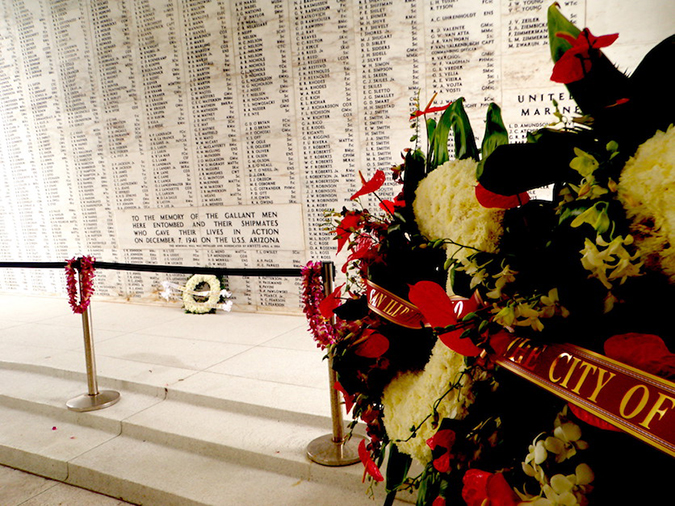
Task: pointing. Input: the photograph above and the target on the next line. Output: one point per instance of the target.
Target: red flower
(370, 466)
(444, 439)
(439, 501)
(374, 184)
(643, 351)
(489, 199)
(349, 398)
(428, 109)
(577, 60)
(390, 206)
(349, 224)
(372, 344)
(327, 305)
(440, 311)
(364, 245)
(486, 489)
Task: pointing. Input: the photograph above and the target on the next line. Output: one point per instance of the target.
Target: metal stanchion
(333, 449)
(94, 399)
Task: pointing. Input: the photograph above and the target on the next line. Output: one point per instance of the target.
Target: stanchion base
(327, 452)
(87, 402)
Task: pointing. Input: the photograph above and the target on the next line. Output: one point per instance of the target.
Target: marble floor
(18, 488)
(162, 361)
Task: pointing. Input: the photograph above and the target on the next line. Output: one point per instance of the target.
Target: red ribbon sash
(392, 307)
(635, 401)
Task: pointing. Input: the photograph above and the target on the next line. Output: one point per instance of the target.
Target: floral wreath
(86, 267)
(190, 302)
(574, 269)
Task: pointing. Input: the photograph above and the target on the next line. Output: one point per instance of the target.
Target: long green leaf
(438, 141)
(559, 23)
(465, 142)
(495, 135)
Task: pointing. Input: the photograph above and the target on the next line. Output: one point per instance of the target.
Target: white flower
(189, 301)
(446, 208)
(647, 192)
(411, 396)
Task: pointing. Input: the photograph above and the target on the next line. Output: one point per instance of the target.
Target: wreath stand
(333, 449)
(93, 399)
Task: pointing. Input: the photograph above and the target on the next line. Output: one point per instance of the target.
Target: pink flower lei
(312, 296)
(87, 288)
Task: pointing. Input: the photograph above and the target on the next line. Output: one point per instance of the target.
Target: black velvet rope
(175, 269)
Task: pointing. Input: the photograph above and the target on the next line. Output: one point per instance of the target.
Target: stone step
(183, 444)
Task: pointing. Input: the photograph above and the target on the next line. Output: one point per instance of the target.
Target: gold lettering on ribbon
(655, 409)
(392, 307)
(628, 396)
(635, 401)
(600, 384)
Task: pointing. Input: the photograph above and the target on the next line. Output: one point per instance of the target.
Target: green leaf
(438, 141)
(559, 23)
(495, 134)
(465, 142)
(397, 468)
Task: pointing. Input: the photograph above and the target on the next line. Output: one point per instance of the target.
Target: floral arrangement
(85, 265)
(442, 276)
(201, 294)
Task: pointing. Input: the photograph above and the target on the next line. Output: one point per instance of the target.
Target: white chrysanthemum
(411, 396)
(647, 191)
(190, 303)
(446, 208)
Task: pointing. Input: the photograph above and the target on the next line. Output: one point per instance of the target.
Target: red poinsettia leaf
(576, 62)
(570, 68)
(434, 304)
(363, 246)
(349, 223)
(463, 346)
(499, 492)
(371, 186)
(374, 346)
(328, 304)
(442, 463)
(370, 466)
(602, 40)
(349, 399)
(474, 491)
(444, 438)
(387, 206)
(489, 199)
(647, 352)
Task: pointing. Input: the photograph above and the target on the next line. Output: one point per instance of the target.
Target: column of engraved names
(78, 93)
(279, 292)
(319, 54)
(122, 121)
(16, 154)
(263, 64)
(163, 97)
(51, 183)
(385, 72)
(463, 61)
(120, 102)
(204, 99)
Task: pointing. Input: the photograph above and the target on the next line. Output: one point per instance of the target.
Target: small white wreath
(193, 306)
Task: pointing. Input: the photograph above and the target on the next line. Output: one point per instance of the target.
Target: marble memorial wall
(216, 132)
